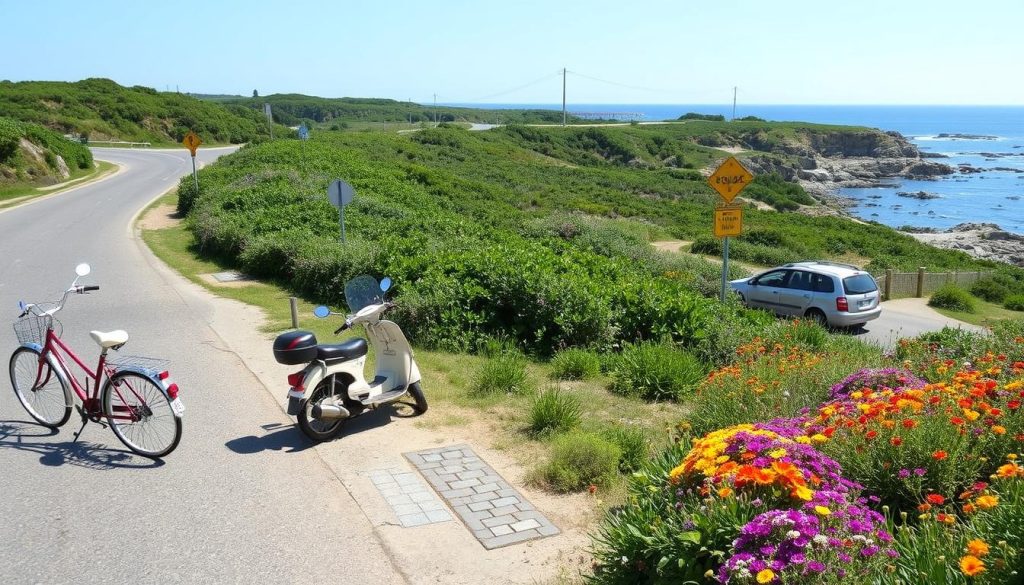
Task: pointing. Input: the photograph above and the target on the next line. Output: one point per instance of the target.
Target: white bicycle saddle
(111, 339)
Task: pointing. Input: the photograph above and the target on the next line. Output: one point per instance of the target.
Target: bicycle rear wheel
(40, 390)
(140, 414)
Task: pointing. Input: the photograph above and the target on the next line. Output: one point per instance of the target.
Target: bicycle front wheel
(40, 390)
(140, 414)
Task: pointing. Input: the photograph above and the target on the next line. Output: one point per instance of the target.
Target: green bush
(656, 371)
(502, 374)
(579, 460)
(575, 364)
(1014, 302)
(553, 411)
(633, 443)
(953, 298)
(993, 289)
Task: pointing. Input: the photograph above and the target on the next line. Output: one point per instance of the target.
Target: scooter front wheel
(320, 430)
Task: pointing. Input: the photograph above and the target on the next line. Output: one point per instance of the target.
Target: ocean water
(995, 195)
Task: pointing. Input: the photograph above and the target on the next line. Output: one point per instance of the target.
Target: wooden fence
(921, 283)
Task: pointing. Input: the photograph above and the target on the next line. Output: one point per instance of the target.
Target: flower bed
(892, 480)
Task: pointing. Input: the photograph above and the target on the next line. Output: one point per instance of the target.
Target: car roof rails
(825, 263)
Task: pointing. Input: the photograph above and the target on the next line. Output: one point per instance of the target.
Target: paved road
(223, 508)
(907, 318)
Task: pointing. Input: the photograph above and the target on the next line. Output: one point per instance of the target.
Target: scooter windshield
(362, 291)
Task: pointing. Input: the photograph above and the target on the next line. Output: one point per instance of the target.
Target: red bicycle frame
(91, 403)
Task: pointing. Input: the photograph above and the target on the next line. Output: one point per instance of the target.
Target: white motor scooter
(334, 373)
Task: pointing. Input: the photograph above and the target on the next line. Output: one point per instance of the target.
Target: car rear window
(859, 284)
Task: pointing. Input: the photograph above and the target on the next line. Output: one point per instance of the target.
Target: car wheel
(818, 316)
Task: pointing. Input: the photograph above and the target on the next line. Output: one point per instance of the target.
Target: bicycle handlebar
(90, 287)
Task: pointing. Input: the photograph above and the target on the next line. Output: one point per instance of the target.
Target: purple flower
(903, 473)
(920, 472)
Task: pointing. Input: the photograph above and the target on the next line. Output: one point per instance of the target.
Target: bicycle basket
(32, 328)
(151, 365)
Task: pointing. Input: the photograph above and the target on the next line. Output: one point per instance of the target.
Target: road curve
(226, 507)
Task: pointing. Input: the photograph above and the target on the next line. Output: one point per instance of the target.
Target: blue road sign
(303, 132)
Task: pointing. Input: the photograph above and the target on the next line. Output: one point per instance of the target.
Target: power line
(517, 88)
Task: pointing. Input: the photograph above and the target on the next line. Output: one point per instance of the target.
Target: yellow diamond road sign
(729, 179)
(192, 142)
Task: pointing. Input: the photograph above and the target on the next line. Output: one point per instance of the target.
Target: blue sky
(645, 51)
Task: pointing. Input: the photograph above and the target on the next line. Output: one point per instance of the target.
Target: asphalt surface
(225, 507)
(906, 318)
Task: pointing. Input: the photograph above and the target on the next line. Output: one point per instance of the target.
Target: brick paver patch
(494, 511)
(412, 501)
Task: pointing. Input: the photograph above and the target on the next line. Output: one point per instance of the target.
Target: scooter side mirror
(385, 284)
(321, 312)
(21, 305)
(83, 269)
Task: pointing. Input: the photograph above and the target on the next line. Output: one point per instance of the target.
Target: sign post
(340, 194)
(728, 180)
(303, 136)
(270, 119)
(192, 142)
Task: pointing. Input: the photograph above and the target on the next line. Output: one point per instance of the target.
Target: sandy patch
(160, 217)
(670, 245)
(731, 149)
(210, 280)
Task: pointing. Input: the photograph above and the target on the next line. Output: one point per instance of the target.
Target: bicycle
(137, 398)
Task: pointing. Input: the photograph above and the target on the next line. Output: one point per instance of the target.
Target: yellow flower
(822, 510)
(804, 493)
(819, 438)
(803, 440)
(766, 576)
(777, 453)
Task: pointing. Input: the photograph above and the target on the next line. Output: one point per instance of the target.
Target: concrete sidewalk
(443, 552)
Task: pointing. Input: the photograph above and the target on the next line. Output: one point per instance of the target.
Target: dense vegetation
(100, 109)
(38, 161)
(540, 235)
(293, 109)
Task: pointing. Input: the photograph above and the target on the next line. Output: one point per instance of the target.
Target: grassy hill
(31, 155)
(541, 235)
(293, 109)
(100, 109)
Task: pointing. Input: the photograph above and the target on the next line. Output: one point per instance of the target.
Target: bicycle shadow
(23, 436)
(290, 439)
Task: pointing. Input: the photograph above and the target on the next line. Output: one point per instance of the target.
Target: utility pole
(563, 96)
(734, 103)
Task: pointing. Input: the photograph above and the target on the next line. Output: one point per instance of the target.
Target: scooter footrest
(385, 397)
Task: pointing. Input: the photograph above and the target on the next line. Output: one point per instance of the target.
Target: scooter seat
(349, 350)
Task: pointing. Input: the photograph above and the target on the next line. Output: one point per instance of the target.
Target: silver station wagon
(838, 295)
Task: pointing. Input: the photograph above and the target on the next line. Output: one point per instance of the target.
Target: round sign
(340, 193)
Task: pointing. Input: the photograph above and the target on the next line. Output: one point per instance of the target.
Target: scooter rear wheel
(320, 430)
(420, 401)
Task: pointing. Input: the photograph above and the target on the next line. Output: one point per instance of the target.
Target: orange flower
(972, 565)
(987, 502)
(1008, 470)
(896, 441)
(999, 429)
(935, 499)
(909, 423)
(924, 507)
(724, 492)
(977, 547)
(939, 455)
(969, 508)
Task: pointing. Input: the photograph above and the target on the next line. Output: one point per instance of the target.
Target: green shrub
(953, 298)
(633, 443)
(579, 460)
(656, 371)
(553, 411)
(502, 374)
(1014, 302)
(575, 364)
(991, 289)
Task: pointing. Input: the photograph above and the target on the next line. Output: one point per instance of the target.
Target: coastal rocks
(981, 240)
(923, 195)
(960, 136)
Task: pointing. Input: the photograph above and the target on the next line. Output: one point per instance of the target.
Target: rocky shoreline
(830, 162)
(981, 240)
